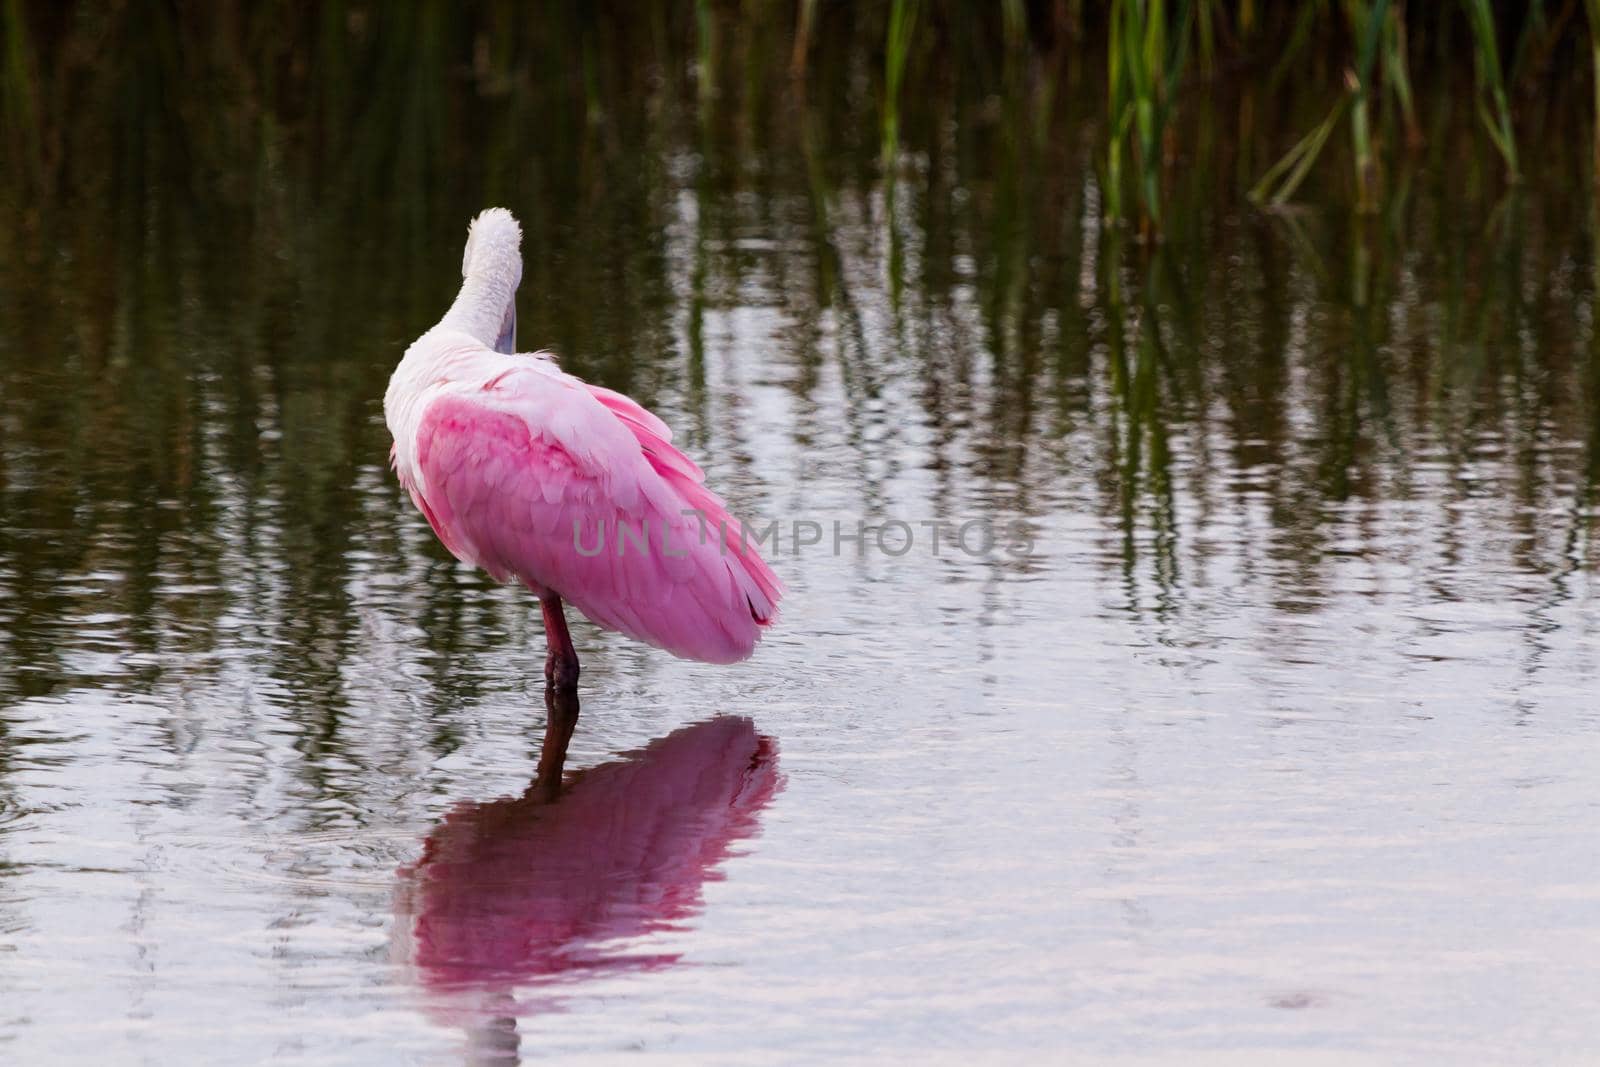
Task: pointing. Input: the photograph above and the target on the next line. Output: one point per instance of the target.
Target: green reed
(1367, 23)
(1146, 50)
(1491, 90)
(1275, 76)
(1397, 70)
(21, 106)
(1375, 27)
(897, 46)
(1592, 8)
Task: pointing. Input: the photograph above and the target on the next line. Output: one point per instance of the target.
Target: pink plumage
(572, 489)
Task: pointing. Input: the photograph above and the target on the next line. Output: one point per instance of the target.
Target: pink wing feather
(539, 476)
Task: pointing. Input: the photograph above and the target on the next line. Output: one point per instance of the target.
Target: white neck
(480, 307)
(491, 269)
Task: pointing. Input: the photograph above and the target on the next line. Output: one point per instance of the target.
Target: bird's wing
(577, 490)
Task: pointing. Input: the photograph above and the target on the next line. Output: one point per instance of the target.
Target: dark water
(1267, 724)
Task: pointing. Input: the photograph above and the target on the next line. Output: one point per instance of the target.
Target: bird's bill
(507, 341)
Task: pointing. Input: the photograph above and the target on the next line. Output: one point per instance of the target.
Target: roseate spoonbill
(570, 488)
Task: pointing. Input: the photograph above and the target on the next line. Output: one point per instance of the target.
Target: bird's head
(493, 256)
(493, 248)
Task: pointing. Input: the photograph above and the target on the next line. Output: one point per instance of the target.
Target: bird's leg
(561, 665)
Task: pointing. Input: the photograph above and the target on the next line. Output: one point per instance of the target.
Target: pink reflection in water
(543, 885)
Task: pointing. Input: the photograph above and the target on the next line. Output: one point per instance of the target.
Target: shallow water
(1266, 724)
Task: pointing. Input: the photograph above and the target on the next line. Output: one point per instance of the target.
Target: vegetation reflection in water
(154, 246)
(218, 233)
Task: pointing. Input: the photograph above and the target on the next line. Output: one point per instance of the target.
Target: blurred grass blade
(897, 45)
(1493, 109)
(21, 111)
(1397, 71)
(1592, 7)
(1297, 161)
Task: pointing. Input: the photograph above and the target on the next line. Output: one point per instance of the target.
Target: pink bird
(569, 488)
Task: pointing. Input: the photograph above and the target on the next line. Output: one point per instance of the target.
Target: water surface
(1266, 726)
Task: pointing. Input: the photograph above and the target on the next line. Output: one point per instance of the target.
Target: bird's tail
(762, 589)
